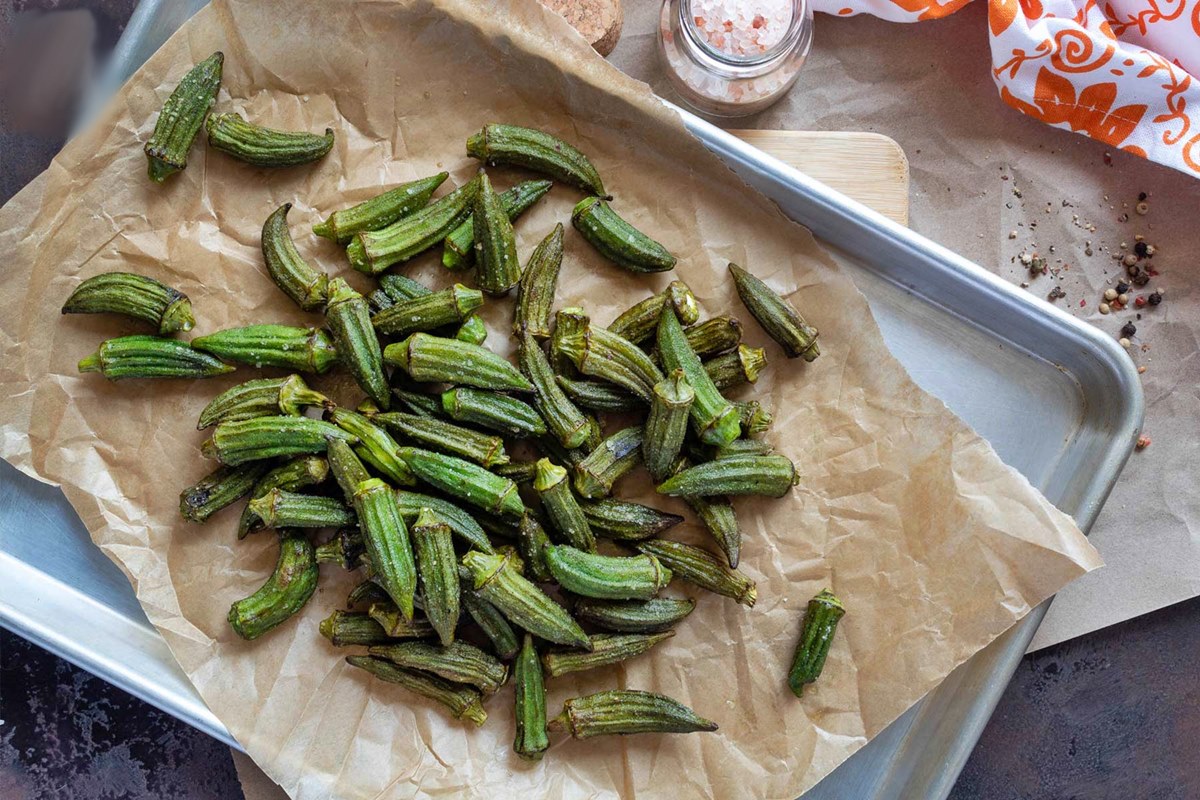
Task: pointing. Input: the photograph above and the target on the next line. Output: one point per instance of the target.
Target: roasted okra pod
(374, 251)
(446, 437)
(350, 320)
(567, 423)
(461, 523)
(607, 648)
(432, 359)
(428, 312)
(531, 543)
(635, 616)
(459, 251)
(387, 542)
(536, 150)
(552, 486)
(437, 575)
(464, 480)
(181, 118)
(597, 352)
(625, 521)
(617, 240)
(462, 701)
(777, 317)
(151, 357)
(535, 297)
(714, 335)
(473, 330)
(816, 635)
(627, 711)
(168, 310)
(489, 619)
(270, 437)
(737, 367)
(499, 582)
(285, 592)
(380, 211)
(496, 412)
(498, 270)
(347, 549)
(401, 287)
(606, 577)
(612, 458)
(396, 625)
(667, 424)
(639, 322)
(530, 701)
(262, 397)
(700, 567)
(262, 146)
(458, 662)
(220, 488)
(345, 628)
(280, 509)
(716, 419)
(291, 476)
(770, 475)
(755, 419)
(306, 285)
(599, 395)
(375, 446)
(302, 349)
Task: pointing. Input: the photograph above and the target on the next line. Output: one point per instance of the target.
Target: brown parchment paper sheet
(935, 544)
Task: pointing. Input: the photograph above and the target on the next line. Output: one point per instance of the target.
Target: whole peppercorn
(1129, 260)
(1141, 279)
(1140, 248)
(1128, 330)
(1154, 299)
(1122, 287)
(1139, 301)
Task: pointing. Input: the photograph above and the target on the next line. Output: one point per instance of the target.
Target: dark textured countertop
(1109, 716)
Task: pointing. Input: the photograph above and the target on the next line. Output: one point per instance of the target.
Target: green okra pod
(350, 321)
(151, 357)
(568, 321)
(715, 419)
(617, 240)
(558, 499)
(743, 447)
(570, 426)
(432, 359)
(306, 285)
(269, 437)
(535, 296)
(497, 412)
(367, 591)
(587, 574)
(446, 437)
(530, 704)
(522, 602)
(284, 593)
(700, 567)
(776, 316)
(459, 250)
(714, 335)
(639, 322)
(602, 354)
(816, 635)
(346, 548)
(627, 711)
(346, 628)
(736, 367)
(437, 575)
(387, 542)
(616, 455)
(347, 468)
(168, 310)
(424, 405)
(463, 702)
(489, 619)
(292, 476)
(401, 287)
(181, 118)
(380, 211)
(536, 150)
(378, 300)
(303, 349)
(520, 472)
(607, 648)
(458, 662)
(265, 147)
(667, 424)
(717, 514)
(280, 509)
(531, 539)
(461, 523)
(374, 251)
(498, 269)
(599, 395)
(464, 480)
(635, 616)
(375, 446)
(473, 330)
(624, 521)
(262, 397)
(428, 312)
(220, 488)
(771, 476)
(755, 419)
(389, 617)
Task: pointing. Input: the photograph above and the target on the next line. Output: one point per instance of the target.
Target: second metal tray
(987, 350)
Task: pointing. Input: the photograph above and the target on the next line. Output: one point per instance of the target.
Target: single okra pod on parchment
(437, 575)
(498, 269)
(433, 359)
(473, 330)
(776, 316)
(635, 616)
(285, 346)
(755, 419)
(374, 251)
(700, 567)
(627, 711)
(280, 509)
(736, 367)
(771, 476)
(558, 499)
(181, 118)
(639, 322)
(535, 295)
(262, 397)
(617, 240)
(222, 487)
(168, 310)
(346, 628)
(599, 395)
(305, 284)
(536, 150)
(395, 625)
(292, 476)
(715, 419)
(570, 426)
(458, 662)
(347, 468)
(462, 701)
(461, 523)
(586, 574)
(265, 147)
(601, 354)
(388, 545)
(622, 520)
(496, 412)
(607, 648)
(347, 549)
(489, 619)
(717, 514)
(380, 211)
(530, 704)
(269, 437)
(522, 602)
(714, 335)
(459, 250)
(284, 593)
(375, 446)
(464, 480)
(612, 458)
(142, 356)
(667, 424)
(816, 635)
(428, 312)
(350, 321)
(446, 437)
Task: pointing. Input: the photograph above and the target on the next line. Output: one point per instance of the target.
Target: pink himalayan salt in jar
(730, 58)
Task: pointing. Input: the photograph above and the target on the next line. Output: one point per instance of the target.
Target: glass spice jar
(730, 58)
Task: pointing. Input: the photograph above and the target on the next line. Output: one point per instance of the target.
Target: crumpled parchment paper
(935, 545)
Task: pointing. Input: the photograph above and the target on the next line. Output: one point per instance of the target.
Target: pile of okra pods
(426, 500)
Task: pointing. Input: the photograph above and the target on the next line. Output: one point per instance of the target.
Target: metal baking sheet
(986, 349)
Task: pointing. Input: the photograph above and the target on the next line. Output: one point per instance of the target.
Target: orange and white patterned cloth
(1126, 72)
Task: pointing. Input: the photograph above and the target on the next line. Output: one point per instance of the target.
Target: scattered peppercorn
(1110, 294)
(1141, 279)
(1104, 308)
(1122, 298)
(1125, 343)
(1141, 248)
(1142, 208)
(1129, 260)
(1141, 196)
(1056, 293)
(1139, 301)
(1128, 330)
(1143, 442)
(1155, 298)
(1122, 287)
